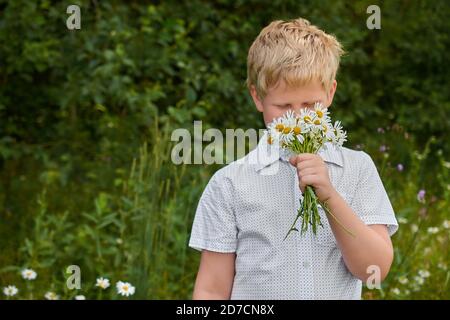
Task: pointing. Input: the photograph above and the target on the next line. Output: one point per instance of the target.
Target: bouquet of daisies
(306, 133)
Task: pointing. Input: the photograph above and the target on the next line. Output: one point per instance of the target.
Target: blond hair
(294, 51)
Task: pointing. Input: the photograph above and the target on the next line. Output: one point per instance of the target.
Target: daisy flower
(424, 273)
(396, 291)
(307, 116)
(102, 283)
(319, 125)
(442, 266)
(80, 297)
(290, 128)
(339, 133)
(403, 280)
(433, 230)
(419, 280)
(125, 288)
(10, 291)
(402, 220)
(50, 295)
(29, 274)
(320, 111)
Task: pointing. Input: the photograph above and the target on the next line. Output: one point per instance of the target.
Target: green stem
(299, 214)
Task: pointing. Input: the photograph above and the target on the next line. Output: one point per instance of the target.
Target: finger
(306, 164)
(308, 180)
(307, 171)
(293, 160)
(306, 156)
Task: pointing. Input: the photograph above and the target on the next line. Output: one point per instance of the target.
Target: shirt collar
(265, 154)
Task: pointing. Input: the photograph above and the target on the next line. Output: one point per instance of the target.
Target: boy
(246, 209)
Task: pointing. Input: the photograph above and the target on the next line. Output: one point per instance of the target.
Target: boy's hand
(312, 171)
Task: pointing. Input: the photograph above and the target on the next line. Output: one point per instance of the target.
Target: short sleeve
(214, 227)
(371, 201)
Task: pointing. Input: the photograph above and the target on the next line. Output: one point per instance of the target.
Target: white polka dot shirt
(249, 205)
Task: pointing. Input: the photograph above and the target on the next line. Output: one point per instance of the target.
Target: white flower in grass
(446, 224)
(407, 292)
(424, 273)
(403, 280)
(125, 288)
(29, 274)
(442, 266)
(10, 291)
(396, 291)
(402, 220)
(433, 230)
(80, 297)
(414, 228)
(419, 280)
(102, 283)
(51, 296)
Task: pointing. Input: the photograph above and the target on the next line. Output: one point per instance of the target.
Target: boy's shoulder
(358, 158)
(359, 155)
(236, 168)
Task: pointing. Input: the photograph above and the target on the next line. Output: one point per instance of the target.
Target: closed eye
(309, 104)
(283, 105)
(303, 105)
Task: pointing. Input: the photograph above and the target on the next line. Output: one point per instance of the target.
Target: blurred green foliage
(76, 107)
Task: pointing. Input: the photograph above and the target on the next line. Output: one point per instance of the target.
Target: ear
(256, 99)
(331, 93)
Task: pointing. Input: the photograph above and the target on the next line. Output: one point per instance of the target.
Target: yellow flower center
(125, 288)
(325, 128)
(286, 130)
(269, 140)
(317, 122)
(297, 130)
(279, 127)
(307, 119)
(319, 113)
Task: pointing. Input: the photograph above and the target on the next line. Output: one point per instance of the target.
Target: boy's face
(282, 98)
